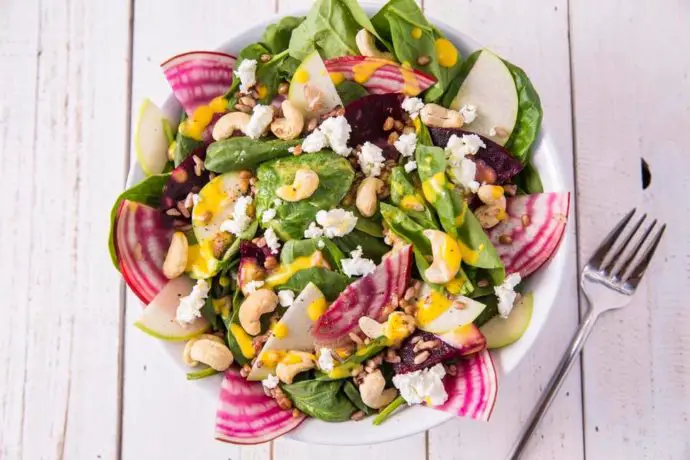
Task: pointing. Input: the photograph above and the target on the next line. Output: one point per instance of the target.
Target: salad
(340, 220)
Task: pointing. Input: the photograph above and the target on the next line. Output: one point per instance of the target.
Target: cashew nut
(187, 352)
(176, 259)
(440, 117)
(291, 125)
(491, 194)
(229, 123)
(370, 327)
(367, 195)
(305, 184)
(286, 371)
(259, 302)
(494, 209)
(367, 46)
(373, 390)
(447, 257)
(211, 352)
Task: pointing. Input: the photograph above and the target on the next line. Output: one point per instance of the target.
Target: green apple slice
(158, 318)
(151, 138)
(216, 204)
(490, 87)
(454, 311)
(501, 332)
(311, 79)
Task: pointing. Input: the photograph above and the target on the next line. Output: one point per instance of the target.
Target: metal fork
(608, 280)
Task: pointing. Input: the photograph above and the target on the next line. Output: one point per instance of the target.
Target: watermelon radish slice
(247, 416)
(142, 239)
(472, 392)
(365, 297)
(379, 76)
(198, 76)
(534, 238)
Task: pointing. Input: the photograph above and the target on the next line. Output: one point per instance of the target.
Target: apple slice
(438, 313)
(500, 332)
(490, 87)
(216, 199)
(151, 138)
(311, 79)
(467, 339)
(158, 319)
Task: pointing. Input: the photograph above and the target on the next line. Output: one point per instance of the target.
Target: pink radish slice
(388, 78)
(142, 239)
(247, 416)
(472, 392)
(365, 297)
(198, 76)
(534, 243)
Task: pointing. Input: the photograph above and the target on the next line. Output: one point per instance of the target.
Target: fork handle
(556, 382)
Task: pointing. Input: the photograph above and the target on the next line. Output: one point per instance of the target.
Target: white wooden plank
(536, 39)
(631, 105)
(64, 119)
(159, 404)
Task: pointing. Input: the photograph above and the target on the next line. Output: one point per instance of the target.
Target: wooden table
(77, 381)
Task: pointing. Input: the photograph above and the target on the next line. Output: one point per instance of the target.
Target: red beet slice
(365, 297)
(439, 354)
(247, 416)
(183, 180)
(367, 115)
(494, 155)
(535, 225)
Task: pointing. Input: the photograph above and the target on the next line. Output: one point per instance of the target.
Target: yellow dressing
(411, 203)
(468, 254)
(396, 328)
(446, 52)
(337, 77)
(434, 186)
(285, 271)
(301, 76)
(200, 260)
(192, 128)
(316, 308)
(410, 83)
(271, 358)
(262, 90)
(451, 253)
(416, 33)
(218, 104)
(365, 69)
(211, 199)
(431, 307)
(280, 330)
(202, 115)
(454, 286)
(342, 371)
(243, 340)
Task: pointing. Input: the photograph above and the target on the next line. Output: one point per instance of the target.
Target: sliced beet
(367, 115)
(251, 266)
(184, 180)
(494, 156)
(251, 251)
(441, 353)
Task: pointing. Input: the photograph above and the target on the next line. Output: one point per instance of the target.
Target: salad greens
(238, 153)
(529, 115)
(321, 399)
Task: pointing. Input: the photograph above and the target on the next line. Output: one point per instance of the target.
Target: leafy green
(369, 225)
(431, 166)
(208, 311)
(233, 318)
(299, 248)
(388, 410)
(342, 370)
(185, 146)
(202, 373)
(237, 153)
(477, 248)
(528, 180)
(353, 395)
(405, 195)
(330, 27)
(276, 38)
(350, 91)
(457, 82)
(491, 310)
(148, 192)
(395, 22)
(372, 247)
(293, 218)
(529, 115)
(330, 283)
(320, 399)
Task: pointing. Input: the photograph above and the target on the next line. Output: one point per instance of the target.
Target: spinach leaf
(231, 317)
(396, 22)
(388, 410)
(209, 312)
(320, 399)
(184, 147)
(529, 116)
(406, 197)
(277, 36)
(343, 370)
(237, 153)
(149, 192)
(202, 373)
(299, 248)
(491, 310)
(330, 283)
(349, 91)
(431, 166)
(528, 180)
(353, 395)
(293, 218)
(372, 247)
(330, 27)
(457, 82)
(369, 225)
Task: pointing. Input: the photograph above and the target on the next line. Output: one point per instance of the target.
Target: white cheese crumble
(252, 286)
(326, 362)
(286, 297)
(277, 202)
(425, 385)
(195, 199)
(337, 130)
(268, 215)
(406, 144)
(468, 144)
(410, 166)
(246, 72)
(272, 240)
(240, 219)
(336, 222)
(492, 132)
(462, 169)
(357, 265)
(262, 116)
(412, 105)
(190, 306)
(320, 244)
(313, 231)
(270, 382)
(506, 294)
(371, 159)
(314, 142)
(469, 113)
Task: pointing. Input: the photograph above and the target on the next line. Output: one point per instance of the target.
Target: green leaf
(529, 116)
(330, 283)
(320, 399)
(233, 318)
(431, 166)
(491, 309)
(148, 192)
(299, 248)
(457, 82)
(350, 91)
(407, 198)
(343, 370)
(528, 180)
(372, 247)
(277, 36)
(353, 395)
(201, 374)
(388, 410)
(237, 153)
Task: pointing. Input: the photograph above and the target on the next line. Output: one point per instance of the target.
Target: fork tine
(626, 264)
(612, 264)
(639, 270)
(598, 258)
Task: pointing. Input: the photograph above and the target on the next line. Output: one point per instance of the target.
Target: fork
(608, 281)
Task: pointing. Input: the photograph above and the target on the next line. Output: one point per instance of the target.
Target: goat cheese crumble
(469, 113)
(268, 215)
(270, 382)
(325, 361)
(410, 166)
(190, 306)
(252, 286)
(314, 142)
(272, 240)
(262, 116)
(425, 385)
(336, 222)
(371, 159)
(337, 130)
(240, 219)
(286, 297)
(357, 265)
(320, 244)
(412, 105)
(195, 199)
(246, 72)
(406, 144)
(313, 231)
(506, 294)
(463, 170)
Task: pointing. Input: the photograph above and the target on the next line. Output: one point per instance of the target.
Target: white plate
(544, 283)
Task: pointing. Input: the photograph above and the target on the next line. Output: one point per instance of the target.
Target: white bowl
(544, 283)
